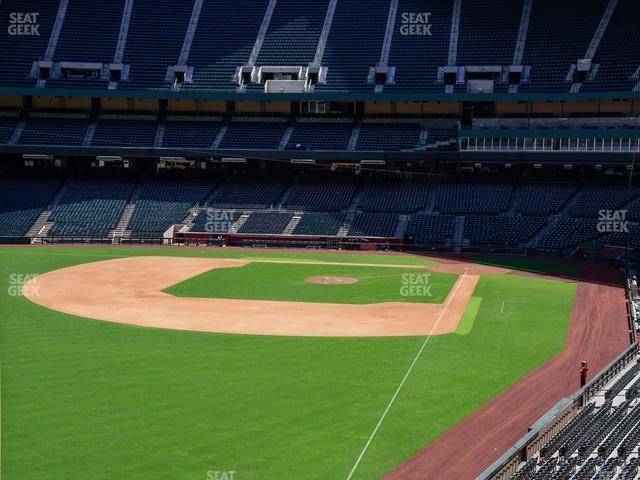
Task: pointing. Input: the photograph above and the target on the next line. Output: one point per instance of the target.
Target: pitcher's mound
(331, 280)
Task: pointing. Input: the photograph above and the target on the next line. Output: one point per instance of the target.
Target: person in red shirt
(583, 373)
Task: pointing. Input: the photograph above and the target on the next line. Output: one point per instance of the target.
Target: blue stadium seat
(485, 198)
(190, 134)
(162, 204)
(374, 225)
(431, 229)
(16, 68)
(7, 126)
(417, 57)
(293, 33)
(53, 131)
(566, 23)
(89, 34)
(319, 224)
(388, 136)
(224, 38)
(318, 194)
(544, 198)
(89, 208)
(247, 193)
(255, 135)
(488, 32)
(618, 54)
(166, 24)
(125, 133)
(272, 223)
(21, 202)
(321, 136)
(358, 26)
(400, 196)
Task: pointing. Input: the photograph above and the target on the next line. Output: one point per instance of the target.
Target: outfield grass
(88, 399)
(287, 282)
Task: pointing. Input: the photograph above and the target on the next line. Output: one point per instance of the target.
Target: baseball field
(152, 363)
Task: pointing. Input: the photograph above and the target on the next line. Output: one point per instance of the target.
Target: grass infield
(287, 282)
(89, 399)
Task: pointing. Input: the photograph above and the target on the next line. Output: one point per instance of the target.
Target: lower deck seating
(316, 194)
(213, 220)
(319, 224)
(600, 441)
(162, 204)
(500, 230)
(431, 229)
(488, 213)
(22, 202)
(374, 225)
(544, 198)
(271, 223)
(89, 208)
(394, 196)
(619, 239)
(249, 193)
(594, 198)
(569, 232)
(480, 198)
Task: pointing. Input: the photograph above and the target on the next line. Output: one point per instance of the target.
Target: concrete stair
(239, 222)
(42, 225)
(458, 234)
(401, 226)
(353, 140)
(39, 225)
(346, 224)
(187, 223)
(121, 228)
(431, 199)
(551, 220)
(284, 197)
(285, 138)
(293, 223)
(218, 138)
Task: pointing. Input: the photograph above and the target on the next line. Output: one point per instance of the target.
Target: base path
(129, 290)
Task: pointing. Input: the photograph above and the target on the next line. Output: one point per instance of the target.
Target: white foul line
(406, 375)
(502, 307)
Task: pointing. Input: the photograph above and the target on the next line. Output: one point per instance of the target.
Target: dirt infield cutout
(129, 290)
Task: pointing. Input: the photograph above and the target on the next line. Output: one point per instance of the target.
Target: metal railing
(555, 419)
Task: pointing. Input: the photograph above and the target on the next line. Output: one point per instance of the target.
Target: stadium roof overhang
(320, 95)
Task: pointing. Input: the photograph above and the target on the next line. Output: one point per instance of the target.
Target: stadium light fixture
(108, 158)
(35, 156)
(373, 162)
